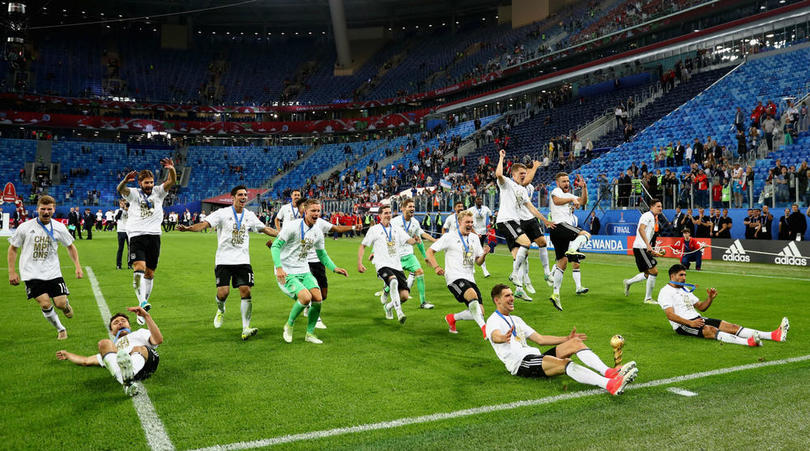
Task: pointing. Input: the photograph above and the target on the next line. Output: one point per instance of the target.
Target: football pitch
(377, 384)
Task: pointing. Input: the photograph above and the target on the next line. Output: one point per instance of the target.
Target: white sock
(650, 286)
(138, 362)
(411, 279)
(517, 265)
(484, 267)
(111, 363)
(745, 332)
(579, 241)
(394, 285)
(147, 288)
(585, 376)
(137, 284)
(525, 272)
(220, 304)
(53, 318)
(475, 311)
(729, 338)
(463, 315)
(577, 278)
(247, 310)
(637, 278)
(592, 360)
(544, 260)
(557, 274)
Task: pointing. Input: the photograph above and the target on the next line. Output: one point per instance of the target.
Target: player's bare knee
(585, 234)
(304, 297)
(419, 272)
(105, 346)
(316, 295)
(562, 263)
(541, 242)
(554, 366)
(223, 292)
(244, 291)
(140, 350)
(60, 302)
(149, 273)
(709, 332)
(653, 271)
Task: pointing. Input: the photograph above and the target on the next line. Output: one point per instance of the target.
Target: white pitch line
(153, 428)
(682, 392)
(485, 409)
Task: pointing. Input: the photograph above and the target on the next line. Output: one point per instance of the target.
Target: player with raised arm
(413, 229)
(38, 241)
(290, 254)
(644, 251)
(566, 236)
(129, 356)
(513, 197)
(289, 212)
(232, 261)
(509, 336)
(385, 241)
(680, 304)
(143, 227)
(534, 230)
(462, 251)
(481, 216)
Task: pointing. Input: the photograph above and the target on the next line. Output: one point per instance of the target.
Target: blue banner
(621, 228)
(602, 244)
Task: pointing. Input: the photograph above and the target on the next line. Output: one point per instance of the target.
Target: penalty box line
(486, 409)
(153, 428)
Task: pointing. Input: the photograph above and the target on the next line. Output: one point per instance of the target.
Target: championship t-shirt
(681, 301)
(460, 253)
(145, 212)
(385, 243)
(299, 239)
(515, 350)
(233, 239)
(411, 228)
(38, 249)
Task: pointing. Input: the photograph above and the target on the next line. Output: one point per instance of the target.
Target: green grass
(212, 388)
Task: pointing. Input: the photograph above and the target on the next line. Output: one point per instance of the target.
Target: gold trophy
(617, 343)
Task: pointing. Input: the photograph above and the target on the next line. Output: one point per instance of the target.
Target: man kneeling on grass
(509, 335)
(679, 304)
(129, 356)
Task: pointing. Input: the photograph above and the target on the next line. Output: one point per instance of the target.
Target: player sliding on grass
(232, 261)
(295, 279)
(566, 236)
(38, 241)
(129, 356)
(509, 336)
(644, 251)
(143, 227)
(413, 229)
(462, 252)
(513, 197)
(679, 303)
(385, 241)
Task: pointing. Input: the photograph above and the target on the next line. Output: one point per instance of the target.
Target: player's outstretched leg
(629, 282)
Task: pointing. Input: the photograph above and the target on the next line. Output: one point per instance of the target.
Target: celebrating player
(385, 241)
(513, 197)
(481, 214)
(534, 230)
(644, 251)
(289, 212)
(121, 215)
(232, 261)
(566, 237)
(677, 300)
(462, 251)
(143, 227)
(413, 229)
(290, 252)
(451, 221)
(509, 336)
(129, 356)
(38, 241)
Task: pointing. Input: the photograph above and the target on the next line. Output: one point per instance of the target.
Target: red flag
(9, 193)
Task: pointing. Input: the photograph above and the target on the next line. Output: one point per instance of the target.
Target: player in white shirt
(290, 253)
(534, 230)
(232, 262)
(121, 215)
(385, 241)
(566, 237)
(109, 220)
(38, 242)
(481, 215)
(644, 251)
(99, 220)
(513, 197)
(509, 336)
(576, 272)
(315, 266)
(143, 227)
(462, 251)
(202, 217)
(413, 229)
(451, 220)
(129, 356)
(289, 212)
(679, 304)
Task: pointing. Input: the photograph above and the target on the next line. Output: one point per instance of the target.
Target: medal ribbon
(49, 232)
(511, 325)
(238, 219)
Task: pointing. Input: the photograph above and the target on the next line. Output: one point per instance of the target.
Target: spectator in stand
(768, 126)
(784, 229)
(739, 120)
